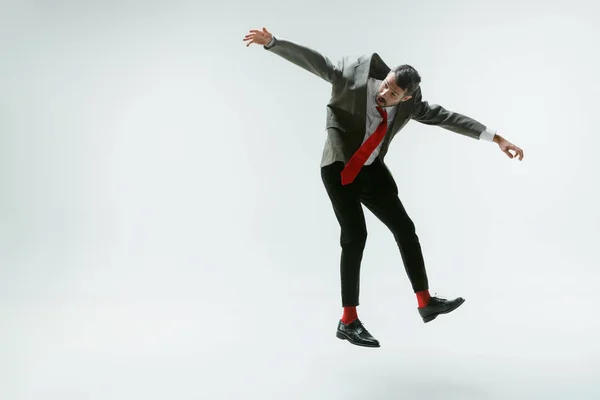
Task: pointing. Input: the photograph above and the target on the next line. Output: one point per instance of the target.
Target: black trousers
(376, 189)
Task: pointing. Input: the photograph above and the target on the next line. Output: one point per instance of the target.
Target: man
(369, 104)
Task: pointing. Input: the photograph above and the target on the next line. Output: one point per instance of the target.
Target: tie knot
(382, 112)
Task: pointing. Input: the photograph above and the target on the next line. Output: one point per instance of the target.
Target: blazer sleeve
(306, 58)
(434, 114)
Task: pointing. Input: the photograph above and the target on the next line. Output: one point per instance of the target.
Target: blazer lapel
(370, 67)
(374, 67)
(366, 67)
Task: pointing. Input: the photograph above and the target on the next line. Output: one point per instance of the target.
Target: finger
(508, 153)
(251, 37)
(518, 153)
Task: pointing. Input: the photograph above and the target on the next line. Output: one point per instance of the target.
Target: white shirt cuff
(270, 43)
(488, 134)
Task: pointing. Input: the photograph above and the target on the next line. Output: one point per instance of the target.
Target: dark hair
(407, 78)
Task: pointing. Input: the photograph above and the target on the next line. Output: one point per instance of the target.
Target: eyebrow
(393, 91)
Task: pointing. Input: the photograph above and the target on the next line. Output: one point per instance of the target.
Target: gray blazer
(346, 110)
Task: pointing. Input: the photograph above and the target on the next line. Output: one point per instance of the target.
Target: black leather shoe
(355, 333)
(437, 306)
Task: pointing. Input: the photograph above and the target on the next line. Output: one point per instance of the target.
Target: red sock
(349, 314)
(423, 298)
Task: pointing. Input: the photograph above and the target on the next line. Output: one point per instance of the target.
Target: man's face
(389, 94)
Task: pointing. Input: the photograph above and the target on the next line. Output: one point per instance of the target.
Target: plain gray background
(164, 232)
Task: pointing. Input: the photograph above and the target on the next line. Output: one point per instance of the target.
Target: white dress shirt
(373, 117)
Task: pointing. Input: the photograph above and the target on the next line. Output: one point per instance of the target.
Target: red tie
(364, 152)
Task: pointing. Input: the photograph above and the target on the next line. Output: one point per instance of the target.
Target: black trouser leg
(353, 236)
(375, 188)
(380, 196)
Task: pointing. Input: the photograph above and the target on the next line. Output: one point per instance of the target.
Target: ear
(406, 98)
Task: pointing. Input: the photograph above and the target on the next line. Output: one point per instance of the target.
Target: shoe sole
(434, 316)
(342, 336)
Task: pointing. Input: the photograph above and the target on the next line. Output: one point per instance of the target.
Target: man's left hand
(507, 147)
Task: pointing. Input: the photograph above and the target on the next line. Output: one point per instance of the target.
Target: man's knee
(404, 229)
(355, 240)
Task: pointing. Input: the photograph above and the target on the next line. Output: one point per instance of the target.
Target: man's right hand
(259, 37)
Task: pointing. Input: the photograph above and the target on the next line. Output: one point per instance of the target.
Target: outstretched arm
(302, 56)
(439, 116)
(455, 122)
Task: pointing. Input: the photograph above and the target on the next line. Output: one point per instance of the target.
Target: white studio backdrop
(164, 232)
